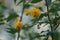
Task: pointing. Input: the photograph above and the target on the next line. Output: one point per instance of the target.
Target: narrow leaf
(35, 1)
(12, 16)
(15, 1)
(20, 2)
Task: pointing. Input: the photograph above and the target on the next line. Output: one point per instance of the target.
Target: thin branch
(21, 19)
(22, 11)
(56, 27)
(49, 18)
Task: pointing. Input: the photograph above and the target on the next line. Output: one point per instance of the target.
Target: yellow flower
(49, 38)
(18, 25)
(35, 12)
(27, 12)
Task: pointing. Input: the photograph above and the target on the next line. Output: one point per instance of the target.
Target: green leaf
(55, 6)
(35, 1)
(1, 16)
(40, 17)
(26, 6)
(12, 16)
(56, 36)
(41, 8)
(11, 30)
(15, 1)
(20, 2)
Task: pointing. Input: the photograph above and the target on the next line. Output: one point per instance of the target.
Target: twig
(49, 18)
(56, 27)
(21, 19)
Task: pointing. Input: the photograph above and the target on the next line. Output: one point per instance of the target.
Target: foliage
(12, 30)
(12, 16)
(35, 1)
(51, 14)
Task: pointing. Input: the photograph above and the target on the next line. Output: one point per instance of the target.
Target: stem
(21, 19)
(49, 19)
(56, 21)
(18, 34)
(56, 27)
(22, 11)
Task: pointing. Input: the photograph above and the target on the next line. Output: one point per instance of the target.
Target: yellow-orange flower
(18, 25)
(27, 12)
(35, 12)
